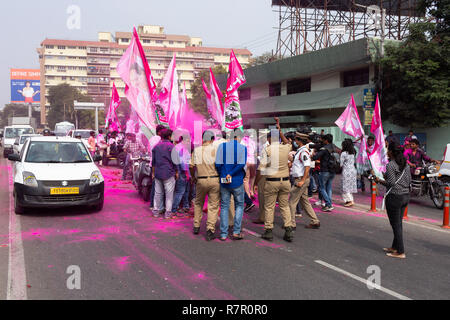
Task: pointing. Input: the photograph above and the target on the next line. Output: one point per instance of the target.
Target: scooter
(142, 176)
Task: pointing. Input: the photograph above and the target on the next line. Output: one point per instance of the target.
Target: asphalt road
(123, 252)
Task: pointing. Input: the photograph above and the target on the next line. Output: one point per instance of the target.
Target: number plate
(54, 191)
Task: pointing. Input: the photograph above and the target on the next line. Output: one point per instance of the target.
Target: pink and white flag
(140, 88)
(169, 97)
(378, 157)
(216, 99)
(112, 121)
(232, 115)
(350, 123)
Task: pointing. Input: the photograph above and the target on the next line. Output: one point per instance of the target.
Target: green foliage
(16, 110)
(198, 101)
(416, 90)
(262, 59)
(61, 98)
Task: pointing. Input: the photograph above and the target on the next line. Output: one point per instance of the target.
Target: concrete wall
(326, 81)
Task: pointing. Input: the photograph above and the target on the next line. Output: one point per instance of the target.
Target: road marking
(251, 232)
(350, 275)
(17, 283)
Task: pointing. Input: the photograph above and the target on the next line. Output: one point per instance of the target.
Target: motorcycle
(425, 181)
(142, 176)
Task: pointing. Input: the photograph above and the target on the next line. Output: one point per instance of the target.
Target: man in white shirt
(299, 192)
(101, 144)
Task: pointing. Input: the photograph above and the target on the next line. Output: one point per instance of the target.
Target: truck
(18, 121)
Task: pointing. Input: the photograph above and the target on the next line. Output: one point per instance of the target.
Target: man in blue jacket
(231, 159)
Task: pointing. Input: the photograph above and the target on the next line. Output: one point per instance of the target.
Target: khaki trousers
(261, 185)
(207, 187)
(274, 190)
(301, 194)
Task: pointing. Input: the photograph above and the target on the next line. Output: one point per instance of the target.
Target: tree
(262, 59)
(198, 101)
(16, 110)
(416, 90)
(61, 98)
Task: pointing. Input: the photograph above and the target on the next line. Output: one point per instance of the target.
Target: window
(125, 40)
(159, 41)
(170, 42)
(72, 48)
(61, 47)
(49, 47)
(146, 41)
(82, 48)
(298, 86)
(356, 77)
(245, 94)
(275, 89)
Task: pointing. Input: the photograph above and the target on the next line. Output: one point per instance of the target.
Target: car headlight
(96, 178)
(29, 179)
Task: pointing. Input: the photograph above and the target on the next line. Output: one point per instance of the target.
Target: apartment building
(90, 66)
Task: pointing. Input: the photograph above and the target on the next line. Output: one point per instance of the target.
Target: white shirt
(302, 159)
(28, 92)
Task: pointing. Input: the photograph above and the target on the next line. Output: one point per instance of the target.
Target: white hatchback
(56, 172)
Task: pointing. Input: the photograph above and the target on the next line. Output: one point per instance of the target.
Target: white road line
(17, 283)
(350, 275)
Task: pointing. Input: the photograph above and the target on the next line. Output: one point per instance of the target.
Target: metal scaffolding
(308, 25)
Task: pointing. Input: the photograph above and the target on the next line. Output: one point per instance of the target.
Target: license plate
(54, 191)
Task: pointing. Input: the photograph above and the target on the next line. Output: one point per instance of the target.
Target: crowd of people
(229, 171)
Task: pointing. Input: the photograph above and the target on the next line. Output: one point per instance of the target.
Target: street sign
(369, 98)
(337, 30)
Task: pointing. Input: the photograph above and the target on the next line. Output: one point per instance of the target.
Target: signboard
(369, 98)
(337, 30)
(25, 86)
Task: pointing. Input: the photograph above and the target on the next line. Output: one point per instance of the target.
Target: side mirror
(97, 158)
(14, 157)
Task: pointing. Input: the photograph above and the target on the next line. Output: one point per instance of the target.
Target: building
(90, 66)
(314, 88)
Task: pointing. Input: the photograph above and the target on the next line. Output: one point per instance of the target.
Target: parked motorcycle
(142, 176)
(425, 181)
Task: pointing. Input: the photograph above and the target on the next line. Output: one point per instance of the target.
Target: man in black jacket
(326, 174)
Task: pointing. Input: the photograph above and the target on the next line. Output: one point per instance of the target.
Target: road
(123, 253)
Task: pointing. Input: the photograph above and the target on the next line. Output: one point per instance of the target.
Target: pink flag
(378, 157)
(169, 98)
(350, 123)
(216, 99)
(112, 121)
(232, 115)
(205, 88)
(140, 87)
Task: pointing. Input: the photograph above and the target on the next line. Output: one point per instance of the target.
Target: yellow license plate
(64, 191)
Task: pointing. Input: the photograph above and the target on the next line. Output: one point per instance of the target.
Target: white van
(10, 134)
(444, 171)
(54, 172)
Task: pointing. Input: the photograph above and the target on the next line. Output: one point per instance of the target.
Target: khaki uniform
(208, 184)
(301, 160)
(274, 166)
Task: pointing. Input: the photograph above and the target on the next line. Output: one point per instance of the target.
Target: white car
(10, 134)
(53, 172)
(84, 133)
(20, 141)
(444, 171)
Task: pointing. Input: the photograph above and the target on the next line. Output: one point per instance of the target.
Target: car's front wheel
(18, 209)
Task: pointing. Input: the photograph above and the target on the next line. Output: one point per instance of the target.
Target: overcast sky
(225, 23)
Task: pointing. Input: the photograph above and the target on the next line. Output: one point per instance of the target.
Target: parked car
(444, 171)
(20, 141)
(10, 134)
(84, 133)
(55, 172)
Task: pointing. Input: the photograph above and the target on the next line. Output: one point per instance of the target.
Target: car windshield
(57, 152)
(16, 132)
(83, 134)
(23, 139)
(63, 129)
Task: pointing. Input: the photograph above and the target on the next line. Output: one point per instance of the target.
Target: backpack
(334, 165)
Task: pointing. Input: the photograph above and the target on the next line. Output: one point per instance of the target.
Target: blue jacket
(231, 159)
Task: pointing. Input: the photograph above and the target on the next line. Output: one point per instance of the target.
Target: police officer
(274, 166)
(207, 184)
(299, 192)
(260, 183)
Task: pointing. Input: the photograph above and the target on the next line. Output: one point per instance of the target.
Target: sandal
(389, 250)
(396, 255)
(223, 239)
(238, 237)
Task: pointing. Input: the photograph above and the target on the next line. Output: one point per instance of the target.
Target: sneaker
(326, 209)
(313, 226)
(298, 214)
(210, 235)
(249, 207)
(168, 216)
(319, 203)
(196, 230)
(267, 235)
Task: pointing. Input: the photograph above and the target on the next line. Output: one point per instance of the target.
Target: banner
(169, 98)
(111, 119)
(216, 98)
(233, 116)
(25, 86)
(378, 157)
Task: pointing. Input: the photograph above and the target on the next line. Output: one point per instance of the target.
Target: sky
(222, 23)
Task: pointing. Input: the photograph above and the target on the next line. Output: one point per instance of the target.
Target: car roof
(53, 139)
(30, 135)
(78, 130)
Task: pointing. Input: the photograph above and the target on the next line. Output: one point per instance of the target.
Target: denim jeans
(312, 184)
(126, 167)
(164, 188)
(181, 196)
(152, 195)
(326, 187)
(238, 194)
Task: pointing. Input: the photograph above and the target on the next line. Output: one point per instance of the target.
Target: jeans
(326, 187)
(126, 166)
(164, 188)
(312, 184)
(181, 196)
(238, 194)
(152, 195)
(395, 207)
